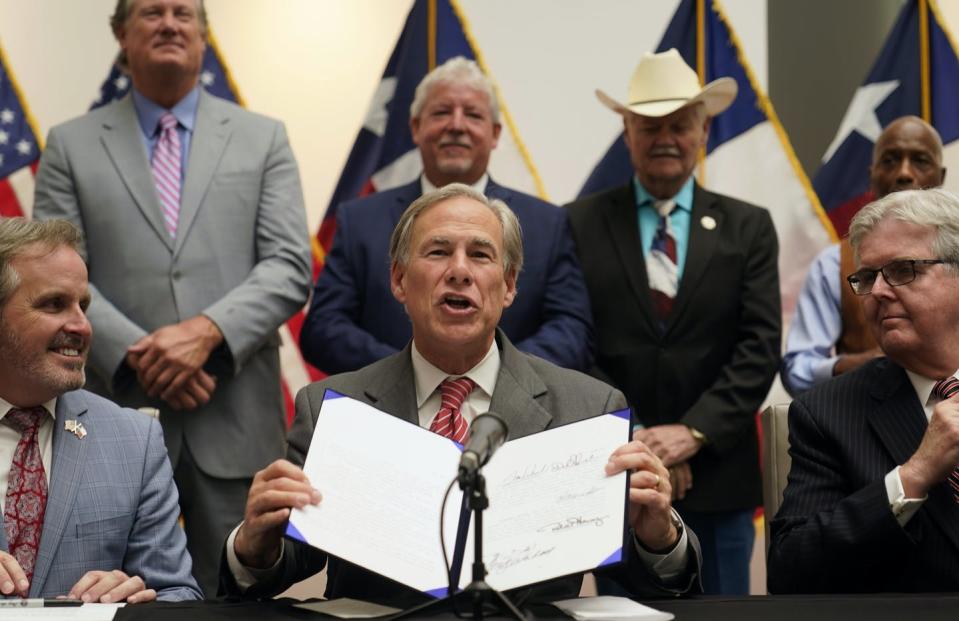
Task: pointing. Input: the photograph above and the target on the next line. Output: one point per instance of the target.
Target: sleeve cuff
(244, 576)
(822, 371)
(902, 508)
(670, 566)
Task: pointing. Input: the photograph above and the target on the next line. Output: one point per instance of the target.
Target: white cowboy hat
(664, 83)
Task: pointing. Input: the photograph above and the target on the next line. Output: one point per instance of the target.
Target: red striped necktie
(944, 389)
(661, 266)
(26, 498)
(449, 421)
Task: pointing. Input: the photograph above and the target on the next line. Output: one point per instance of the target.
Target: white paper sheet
(553, 511)
(86, 612)
(609, 608)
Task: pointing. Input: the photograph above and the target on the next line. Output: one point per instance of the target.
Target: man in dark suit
(872, 502)
(685, 297)
(353, 319)
(88, 501)
(196, 241)
(455, 257)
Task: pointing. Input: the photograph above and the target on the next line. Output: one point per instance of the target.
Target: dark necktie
(26, 498)
(449, 421)
(944, 389)
(661, 267)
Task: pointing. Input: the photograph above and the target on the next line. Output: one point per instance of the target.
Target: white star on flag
(207, 78)
(23, 147)
(121, 82)
(4, 137)
(6, 116)
(377, 116)
(861, 114)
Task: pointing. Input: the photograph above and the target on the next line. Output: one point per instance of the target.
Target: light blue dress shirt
(679, 219)
(149, 113)
(816, 326)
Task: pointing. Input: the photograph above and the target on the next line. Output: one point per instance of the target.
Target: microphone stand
(478, 590)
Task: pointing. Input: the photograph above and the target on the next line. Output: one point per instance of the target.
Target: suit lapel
(392, 389)
(699, 250)
(66, 471)
(900, 423)
(623, 226)
(211, 133)
(517, 391)
(122, 139)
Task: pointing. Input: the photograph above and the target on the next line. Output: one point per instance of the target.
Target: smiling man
(455, 257)
(354, 319)
(89, 505)
(684, 288)
(872, 502)
(198, 251)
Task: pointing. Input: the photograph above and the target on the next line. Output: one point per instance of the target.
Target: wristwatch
(698, 435)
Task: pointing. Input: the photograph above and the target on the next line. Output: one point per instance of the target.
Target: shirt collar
(427, 376)
(149, 113)
(50, 406)
(923, 385)
(683, 198)
(479, 186)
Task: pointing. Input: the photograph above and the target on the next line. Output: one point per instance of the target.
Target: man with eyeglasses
(872, 502)
(828, 335)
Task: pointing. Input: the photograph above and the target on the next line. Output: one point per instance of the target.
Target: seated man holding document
(455, 256)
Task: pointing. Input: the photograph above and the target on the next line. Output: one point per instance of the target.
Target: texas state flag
(917, 73)
(384, 155)
(748, 154)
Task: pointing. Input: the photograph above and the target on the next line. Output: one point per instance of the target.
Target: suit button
(176, 275)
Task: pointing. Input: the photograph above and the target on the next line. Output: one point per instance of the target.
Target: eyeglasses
(895, 273)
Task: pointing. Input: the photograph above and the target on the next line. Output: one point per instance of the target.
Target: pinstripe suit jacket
(835, 531)
(111, 503)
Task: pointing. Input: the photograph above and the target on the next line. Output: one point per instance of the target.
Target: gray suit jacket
(531, 395)
(111, 503)
(241, 257)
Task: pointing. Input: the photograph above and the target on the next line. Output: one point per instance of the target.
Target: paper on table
(348, 608)
(382, 481)
(609, 608)
(553, 511)
(86, 612)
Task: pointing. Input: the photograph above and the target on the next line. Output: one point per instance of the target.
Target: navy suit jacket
(354, 320)
(111, 503)
(835, 531)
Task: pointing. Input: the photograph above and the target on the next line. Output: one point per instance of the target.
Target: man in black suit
(872, 502)
(685, 297)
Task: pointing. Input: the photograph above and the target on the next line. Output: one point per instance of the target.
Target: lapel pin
(75, 428)
(708, 223)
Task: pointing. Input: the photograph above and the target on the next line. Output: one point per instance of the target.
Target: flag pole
(430, 35)
(924, 60)
(701, 70)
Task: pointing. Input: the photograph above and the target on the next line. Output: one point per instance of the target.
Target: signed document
(553, 511)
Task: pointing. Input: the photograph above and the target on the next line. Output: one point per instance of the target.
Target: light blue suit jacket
(111, 503)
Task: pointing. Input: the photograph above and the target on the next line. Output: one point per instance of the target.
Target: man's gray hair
(459, 70)
(122, 12)
(17, 234)
(937, 208)
(402, 235)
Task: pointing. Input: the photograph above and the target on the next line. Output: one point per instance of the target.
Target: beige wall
(315, 64)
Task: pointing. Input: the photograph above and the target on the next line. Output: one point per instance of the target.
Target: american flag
(19, 147)
(215, 78)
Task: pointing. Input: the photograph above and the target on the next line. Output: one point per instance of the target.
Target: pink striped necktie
(944, 389)
(449, 421)
(661, 266)
(26, 498)
(166, 171)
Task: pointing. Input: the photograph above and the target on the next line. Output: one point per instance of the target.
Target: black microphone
(487, 433)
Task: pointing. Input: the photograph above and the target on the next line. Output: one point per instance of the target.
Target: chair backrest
(776, 460)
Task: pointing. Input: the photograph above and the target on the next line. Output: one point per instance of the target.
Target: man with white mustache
(89, 504)
(354, 320)
(684, 287)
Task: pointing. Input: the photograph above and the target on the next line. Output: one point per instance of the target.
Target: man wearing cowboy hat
(685, 297)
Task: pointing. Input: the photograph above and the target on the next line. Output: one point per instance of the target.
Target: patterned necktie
(166, 171)
(449, 421)
(26, 497)
(944, 389)
(661, 262)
